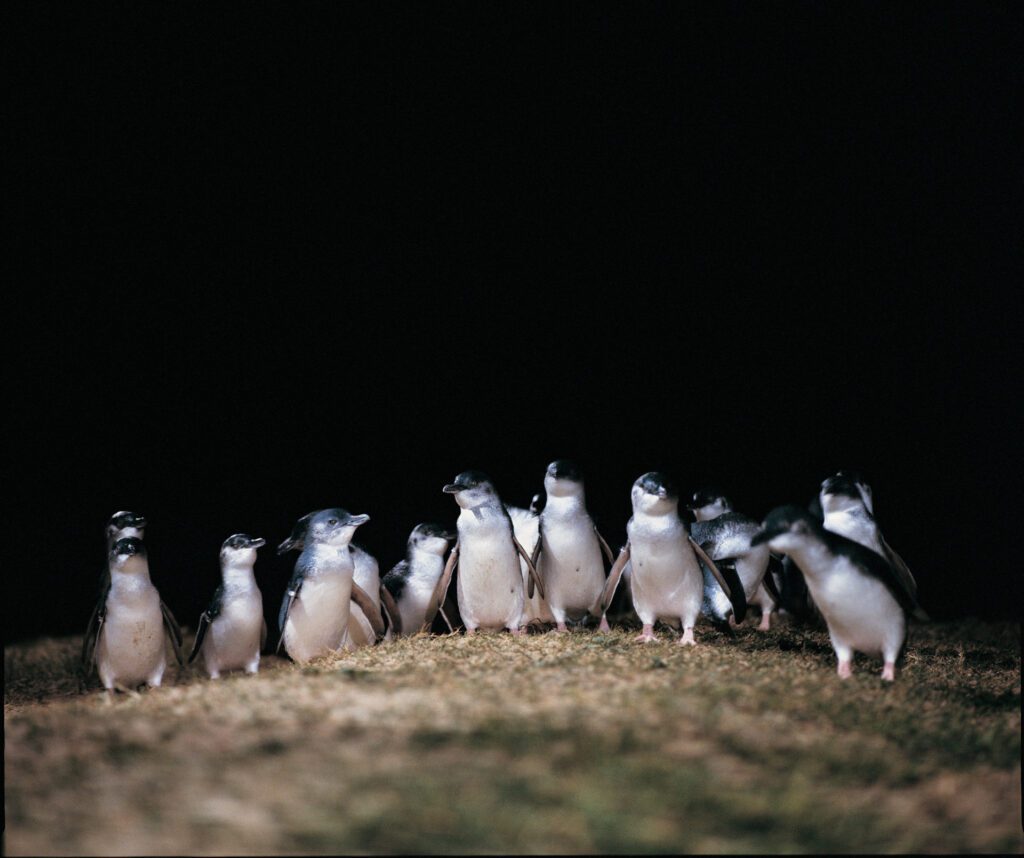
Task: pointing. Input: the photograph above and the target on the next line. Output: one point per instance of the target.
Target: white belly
(490, 582)
(319, 616)
(666, 581)
(233, 639)
(859, 610)
(571, 568)
(130, 649)
(417, 597)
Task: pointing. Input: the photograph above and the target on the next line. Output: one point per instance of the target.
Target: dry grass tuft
(572, 743)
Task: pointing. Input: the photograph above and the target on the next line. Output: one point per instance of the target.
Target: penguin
(526, 527)
(232, 631)
(846, 504)
(411, 582)
(725, 536)
(862, 599)
(128, 641)
(666, 579)
(568, 551)
(490, 582)
(121, 525)
(366, 575)
(314, 615)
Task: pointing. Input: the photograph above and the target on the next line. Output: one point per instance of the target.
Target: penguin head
(536, 503)
(787, 528)
(240, 549)
(334, 526)
(655, 494)
(862, 487)
(471, 489)
(840, 493)
(430, 537)
(563, 478)
(709, 502)
(125, 523)
(128, 554)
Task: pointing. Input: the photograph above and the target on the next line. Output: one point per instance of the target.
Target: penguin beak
(257, 542)
(765, 535)
(662, 493)
(452, 488)
(287, 545)
(356, 520)
(450, 536)
(140, 521)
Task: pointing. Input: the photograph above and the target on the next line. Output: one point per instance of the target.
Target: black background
(280, 257)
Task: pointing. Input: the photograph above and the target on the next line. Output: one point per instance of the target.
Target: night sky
(278, 258)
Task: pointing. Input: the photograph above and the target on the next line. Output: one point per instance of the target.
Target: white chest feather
(319, 616)
(417, 595)
(131, 646)
(665, 577)
(490, 582)
(571, 564)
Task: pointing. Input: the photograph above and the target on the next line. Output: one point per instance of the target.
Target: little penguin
(490, 584)
(862, 599)
(232, 630)
(128, 641)
(121, 525)
(367, 576)
(725, 536)
(666, 579)
(314, 615)
(411, 582)
(568, 552)
(846, 502)
(526, 527)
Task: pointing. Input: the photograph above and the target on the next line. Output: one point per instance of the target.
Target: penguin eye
(332, 521)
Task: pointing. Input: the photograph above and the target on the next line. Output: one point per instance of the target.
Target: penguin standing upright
(490, 583)
(665, 579)
(862, 599)
(314, 615)
(411, 582)
(232, 630)
(846, 505)
(127, 640)
(568, 555)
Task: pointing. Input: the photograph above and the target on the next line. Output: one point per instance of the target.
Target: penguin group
(546, 566)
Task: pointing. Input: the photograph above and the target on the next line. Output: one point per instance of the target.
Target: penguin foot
(647, 635)
(687, 638)
(889, 671)
(766, 622)
(603, 626)
(732, 622)
(845, 669)
(561, 627)
(470, 631)
(517, 633)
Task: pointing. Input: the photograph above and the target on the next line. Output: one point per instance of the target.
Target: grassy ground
(574, 743)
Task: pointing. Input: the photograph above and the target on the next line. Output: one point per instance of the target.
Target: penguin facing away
(862, 599)
(490, 582)
(128, 648)
(232, 631)
(314, 614)
(666, 579)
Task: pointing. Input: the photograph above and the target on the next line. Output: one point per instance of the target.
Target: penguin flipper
(535, 581)
(733, 589)
(877, 566)
(535, 554)
(441, 590)
(604, 546)
(612, 584)
(263, 635)
(92, 635)
(899, 567)
(369, 609)
(394, 616)
(173, 632)
(769, 579)
(290, 595)
(212, 611)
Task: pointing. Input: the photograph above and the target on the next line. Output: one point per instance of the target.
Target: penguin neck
(329, 558)
(566, 505)
(485, 511)
(810, 556)
(420, 557)
(132, 579)
(238, 576)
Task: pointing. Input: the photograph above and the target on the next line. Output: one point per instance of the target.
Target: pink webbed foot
(516, 632)
(732, 622)
(603, 625)
(766, 622)
(647, 635)
(561, 627)
(889, 671)
(470, 632)
(845, 669)
(687, 638)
